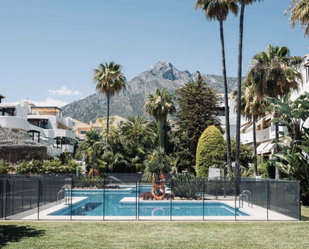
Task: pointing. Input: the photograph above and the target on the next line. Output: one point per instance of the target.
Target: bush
(211, 150)
(46, 167)
(5, 167)
(98, 182)
(187, 186)
(266, 169)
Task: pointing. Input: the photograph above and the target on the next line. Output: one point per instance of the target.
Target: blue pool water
(93, 206)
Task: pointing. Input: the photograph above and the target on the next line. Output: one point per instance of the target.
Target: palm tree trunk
(277, 146)
(241, 29)
(161, 134)
(254, 149)
(227, 115)
(107, 119)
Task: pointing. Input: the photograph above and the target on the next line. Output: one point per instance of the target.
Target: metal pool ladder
(247, 194)
(65, 195)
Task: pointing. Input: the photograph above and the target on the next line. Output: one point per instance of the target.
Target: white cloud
(50, 102)
(64, 91)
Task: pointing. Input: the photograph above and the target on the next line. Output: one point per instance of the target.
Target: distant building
(81, 128)
(46, 125)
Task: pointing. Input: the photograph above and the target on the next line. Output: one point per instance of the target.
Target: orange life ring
(162, 177)
(156, 196)
(95, 171)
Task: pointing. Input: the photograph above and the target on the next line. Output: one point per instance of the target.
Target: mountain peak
(164, 70)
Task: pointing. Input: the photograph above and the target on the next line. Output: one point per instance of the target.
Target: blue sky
(48, 49)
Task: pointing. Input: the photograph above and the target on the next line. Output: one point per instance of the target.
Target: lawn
(66, 234)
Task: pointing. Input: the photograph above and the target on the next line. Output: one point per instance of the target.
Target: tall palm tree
(273, 74)
(109, 80)
(252, 108)
(219, 10)
(159, 106)
(299, 13)
(243, 3)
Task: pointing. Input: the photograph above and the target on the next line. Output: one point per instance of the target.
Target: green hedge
(40, 167)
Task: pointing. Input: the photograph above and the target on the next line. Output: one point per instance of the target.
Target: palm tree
(137, 131)
(159, 106)
(252, 108)
(243, 3)
(219, 10)
(158, 162)
(299, 13)
(273, 74)
(109, 80)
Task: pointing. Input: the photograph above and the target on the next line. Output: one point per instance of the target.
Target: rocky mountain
(131, 101)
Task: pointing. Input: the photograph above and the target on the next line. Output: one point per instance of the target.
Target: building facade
(46, 125)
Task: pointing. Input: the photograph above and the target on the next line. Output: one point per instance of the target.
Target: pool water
(93, 205)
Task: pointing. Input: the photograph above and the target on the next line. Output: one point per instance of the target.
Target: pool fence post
(6, 198)
(235, 182)
(298, 195)
(267, 185)
(203, 199)
(104, 202)
(13, 199)
(71, 198)
(103, 199)
(171, 202)
(38, 197)
(136, 197)
(22, 195)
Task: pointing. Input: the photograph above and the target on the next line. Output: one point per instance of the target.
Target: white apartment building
(265, 129)
(45, 125)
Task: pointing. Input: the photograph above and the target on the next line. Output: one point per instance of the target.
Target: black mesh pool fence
(139, 200)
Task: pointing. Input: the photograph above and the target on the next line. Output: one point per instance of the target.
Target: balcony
(64, 133)
(14, 122)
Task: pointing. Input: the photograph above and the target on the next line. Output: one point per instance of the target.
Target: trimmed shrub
(211, 150)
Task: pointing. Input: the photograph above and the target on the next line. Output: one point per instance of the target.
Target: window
(83, 132)
(121, 122)
(111, 122)
(173, 125)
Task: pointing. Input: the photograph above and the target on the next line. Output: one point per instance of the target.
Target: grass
(92, 234)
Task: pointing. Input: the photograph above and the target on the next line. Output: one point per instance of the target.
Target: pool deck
(256, 213)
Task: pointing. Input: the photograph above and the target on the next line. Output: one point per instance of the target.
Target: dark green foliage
(198, 108)
(211, 150)
(158, 162)
(97, 182)
(64, 158)
(245, 153)
(187, 186)
(45, 167)
(266, 169)
(5, 167)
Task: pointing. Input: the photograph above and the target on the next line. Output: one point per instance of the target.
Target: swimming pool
(122, 202)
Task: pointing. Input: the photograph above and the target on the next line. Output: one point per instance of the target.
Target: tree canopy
(198, 108)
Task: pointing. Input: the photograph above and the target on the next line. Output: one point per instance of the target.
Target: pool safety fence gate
(71, 199)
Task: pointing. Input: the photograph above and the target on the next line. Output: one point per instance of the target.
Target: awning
(265, 147)
(268, 148)
(261, 147)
